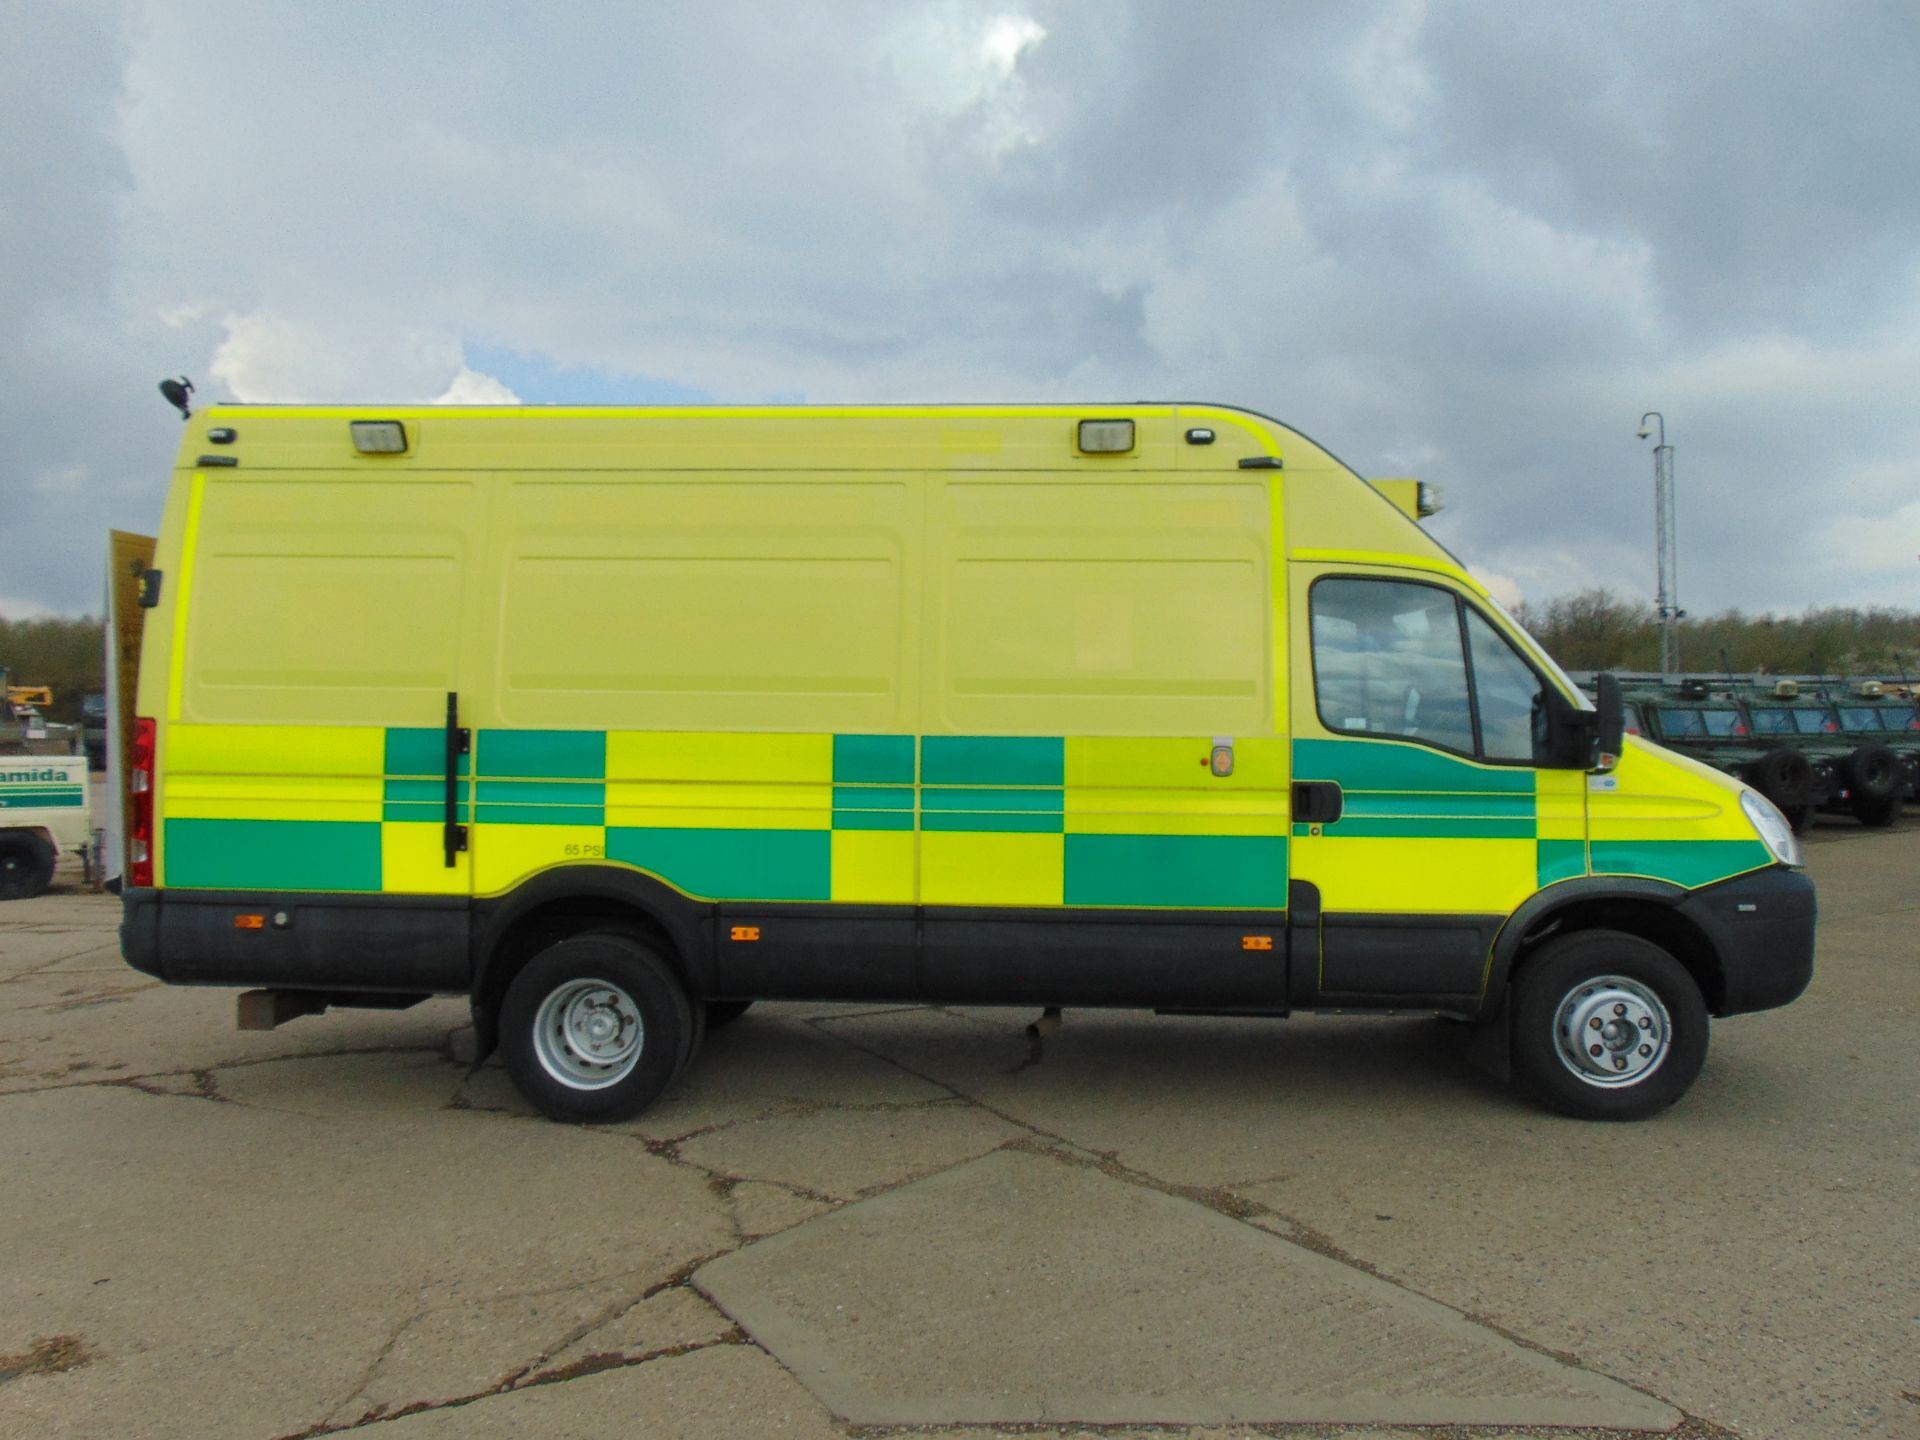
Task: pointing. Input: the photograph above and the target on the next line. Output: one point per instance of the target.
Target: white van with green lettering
(44, 810)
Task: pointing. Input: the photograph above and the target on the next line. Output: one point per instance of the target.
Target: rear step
(270, 1009)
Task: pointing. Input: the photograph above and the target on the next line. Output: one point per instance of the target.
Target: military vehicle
(1869, 714)
(1854, 773)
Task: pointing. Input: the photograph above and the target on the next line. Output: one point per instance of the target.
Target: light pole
(1667, 603)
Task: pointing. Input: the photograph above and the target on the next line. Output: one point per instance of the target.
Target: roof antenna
(179, 394)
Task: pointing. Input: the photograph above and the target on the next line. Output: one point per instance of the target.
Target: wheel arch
(1646, 908)
(546, 909)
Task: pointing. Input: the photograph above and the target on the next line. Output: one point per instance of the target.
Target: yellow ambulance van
(619, 720)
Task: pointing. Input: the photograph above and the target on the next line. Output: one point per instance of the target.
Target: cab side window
(1412, 661)
(1388, 660)
(1511, 699)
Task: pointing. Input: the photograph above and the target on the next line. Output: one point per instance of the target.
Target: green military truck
(1869, 714)
(1854, 773)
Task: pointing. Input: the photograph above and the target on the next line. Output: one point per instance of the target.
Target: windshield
(1690, 723)
(1876, 719)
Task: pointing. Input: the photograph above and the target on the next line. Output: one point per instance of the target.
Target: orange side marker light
(746, 932)
(1256, 942)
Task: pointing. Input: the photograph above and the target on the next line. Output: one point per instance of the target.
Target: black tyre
(1802, 818)
(1876, 812)
(1607, 1026)
(595, 1028)
(26, 864)
(1785, 777)
(1873, 775)
(725, 1012)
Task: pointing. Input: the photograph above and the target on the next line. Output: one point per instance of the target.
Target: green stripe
(420, 751)
(731, 864)
(873, 820)
(1221, 872)
(875, 759)
(1039, 801)
(1561, 860)
(273, 854)
(1399, 765)
(1417, 828)
(996, 822)
(992, 760)
(36, 800)
(546, 754)
(543, 792)
(543, 814)
(1684, 862)
(873, 797)
(1476, 807)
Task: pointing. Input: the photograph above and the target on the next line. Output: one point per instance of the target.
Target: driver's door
(1421, 731)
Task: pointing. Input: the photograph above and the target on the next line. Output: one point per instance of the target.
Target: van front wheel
(1607, 1026)
(595, 1028)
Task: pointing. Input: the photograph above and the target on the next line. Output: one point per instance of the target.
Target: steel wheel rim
(588, 1034)
(1612, 1031)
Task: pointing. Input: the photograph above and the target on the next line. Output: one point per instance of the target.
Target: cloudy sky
(1466, 241)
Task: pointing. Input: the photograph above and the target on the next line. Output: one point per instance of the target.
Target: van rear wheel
(595, 1028)
(1607, 1026)
(26, 865)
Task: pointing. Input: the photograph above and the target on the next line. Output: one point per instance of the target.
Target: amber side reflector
(746, 932)
(1256, 942)
(249, 922)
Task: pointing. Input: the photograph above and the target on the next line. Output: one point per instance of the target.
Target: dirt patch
(54, 1355)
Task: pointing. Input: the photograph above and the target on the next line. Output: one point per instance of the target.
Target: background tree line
(1598, 630)
(65, 652)
(1594, 630)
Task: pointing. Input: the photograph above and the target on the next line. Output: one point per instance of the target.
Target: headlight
(1774, 830)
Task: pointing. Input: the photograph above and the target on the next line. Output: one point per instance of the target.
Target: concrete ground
(851, 1221)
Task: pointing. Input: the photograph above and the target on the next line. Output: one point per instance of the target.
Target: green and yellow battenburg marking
(878, 819)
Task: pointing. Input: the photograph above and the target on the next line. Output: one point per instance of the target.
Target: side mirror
(1610, 723)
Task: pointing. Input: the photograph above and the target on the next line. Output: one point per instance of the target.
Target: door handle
(459, 742)
(1317, 802)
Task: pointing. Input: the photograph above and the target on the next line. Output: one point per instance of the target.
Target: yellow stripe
(182, 595)
(643, 755)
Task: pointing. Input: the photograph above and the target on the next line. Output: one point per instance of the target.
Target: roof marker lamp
(379, 437)
(1106, 437)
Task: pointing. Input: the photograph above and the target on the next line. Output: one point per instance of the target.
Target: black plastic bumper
(410, 944)
(1762, 926)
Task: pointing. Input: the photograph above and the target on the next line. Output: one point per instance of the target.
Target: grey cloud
(1475, 241)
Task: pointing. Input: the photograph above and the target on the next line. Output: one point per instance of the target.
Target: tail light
(140, 814)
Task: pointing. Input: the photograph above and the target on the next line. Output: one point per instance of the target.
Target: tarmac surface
(847, 1221)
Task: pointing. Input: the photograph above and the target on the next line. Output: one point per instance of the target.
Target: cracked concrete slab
(59, 1028)
(761, 1208)
(676, 1319)
(1021, 1288)
(241, 1271)
(722, 1393)
(840, 1153)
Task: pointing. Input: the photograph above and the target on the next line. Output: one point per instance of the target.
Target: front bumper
(1761, 926)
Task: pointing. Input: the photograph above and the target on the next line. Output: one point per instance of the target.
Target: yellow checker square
(1419, 876)
(682, 755)
(413, 860)
(967, 868)
(504, 855)
(277, 749)
(873, 866)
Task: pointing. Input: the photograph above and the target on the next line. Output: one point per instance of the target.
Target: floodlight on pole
(1666, 543)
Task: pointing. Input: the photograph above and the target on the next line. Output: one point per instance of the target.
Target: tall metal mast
(1666, 544)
